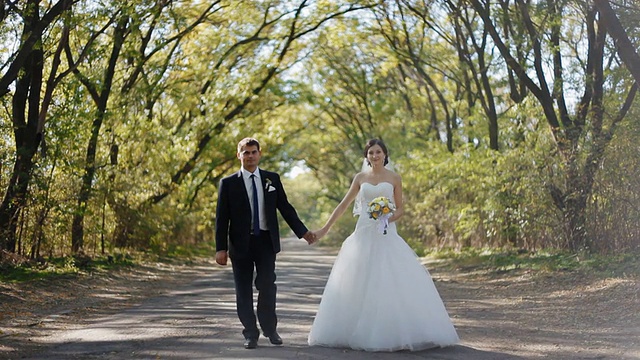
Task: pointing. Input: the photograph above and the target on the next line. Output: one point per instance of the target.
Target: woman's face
(376, 155)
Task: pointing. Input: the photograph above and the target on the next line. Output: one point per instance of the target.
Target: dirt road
(520, 316)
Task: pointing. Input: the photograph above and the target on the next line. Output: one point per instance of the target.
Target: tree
(626, 49)
(28, 108)
(101, 88)
(581, 135)
(238, 71)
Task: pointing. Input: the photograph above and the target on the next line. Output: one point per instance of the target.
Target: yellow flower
(380, 206)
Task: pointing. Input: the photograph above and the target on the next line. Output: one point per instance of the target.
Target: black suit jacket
(233, 213)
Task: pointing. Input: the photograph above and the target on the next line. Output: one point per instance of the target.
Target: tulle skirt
(379, 297)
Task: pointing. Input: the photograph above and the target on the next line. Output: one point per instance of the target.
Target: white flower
(381, 208)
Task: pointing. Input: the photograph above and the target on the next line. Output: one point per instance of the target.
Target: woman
(378, 296)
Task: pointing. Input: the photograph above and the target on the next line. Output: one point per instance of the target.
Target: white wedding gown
(378, 296)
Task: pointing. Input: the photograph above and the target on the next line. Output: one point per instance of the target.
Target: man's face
(249, 157)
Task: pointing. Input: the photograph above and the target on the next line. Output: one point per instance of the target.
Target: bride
(378, 296)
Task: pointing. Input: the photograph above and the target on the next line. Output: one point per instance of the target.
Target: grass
(493, 260)
(504, 260)
(60, 267)
(200, 250)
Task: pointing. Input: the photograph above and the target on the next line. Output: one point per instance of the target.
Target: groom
(247, 232)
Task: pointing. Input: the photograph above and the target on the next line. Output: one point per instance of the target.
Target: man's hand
(221, 257)
(311, 237)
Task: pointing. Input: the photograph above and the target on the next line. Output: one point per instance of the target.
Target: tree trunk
(77, 226)
(25, 114)
(574, 211)
(626, 49)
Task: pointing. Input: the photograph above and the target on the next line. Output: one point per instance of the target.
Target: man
(247, 232)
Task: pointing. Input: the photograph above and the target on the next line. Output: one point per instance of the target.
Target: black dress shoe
(250, 343)
(274, 338)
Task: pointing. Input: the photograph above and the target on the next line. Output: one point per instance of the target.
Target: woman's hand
(322, 232)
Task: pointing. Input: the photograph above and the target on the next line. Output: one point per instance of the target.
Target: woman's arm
(342, 206)
(397, 199)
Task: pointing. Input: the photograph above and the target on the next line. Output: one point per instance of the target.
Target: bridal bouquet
(381, 208)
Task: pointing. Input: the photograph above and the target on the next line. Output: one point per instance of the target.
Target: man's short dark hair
(248, 142)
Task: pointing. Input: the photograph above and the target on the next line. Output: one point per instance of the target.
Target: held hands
(311, 237)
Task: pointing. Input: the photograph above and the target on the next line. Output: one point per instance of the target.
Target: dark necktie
(256, 210)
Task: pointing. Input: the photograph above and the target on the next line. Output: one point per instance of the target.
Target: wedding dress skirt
(378, 296)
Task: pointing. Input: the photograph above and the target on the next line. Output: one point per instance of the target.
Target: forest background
(514, 123)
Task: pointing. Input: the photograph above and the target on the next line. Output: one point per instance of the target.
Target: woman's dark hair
(379, 142)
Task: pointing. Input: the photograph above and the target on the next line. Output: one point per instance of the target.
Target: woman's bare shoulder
(394, 176)
(359, 178)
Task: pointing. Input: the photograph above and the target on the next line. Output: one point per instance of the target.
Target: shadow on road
(198, 321)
